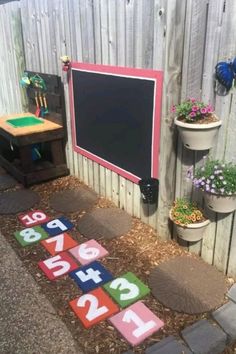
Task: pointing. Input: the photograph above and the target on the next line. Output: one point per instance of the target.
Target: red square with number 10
(58, 265)
(33, 218)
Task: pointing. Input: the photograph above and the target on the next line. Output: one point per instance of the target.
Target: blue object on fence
(225, 73)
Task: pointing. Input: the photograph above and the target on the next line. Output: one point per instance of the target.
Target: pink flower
(192, 114)
(195, 108)
(192, 99)
(173, 109)
(210, 109)
(204, 110)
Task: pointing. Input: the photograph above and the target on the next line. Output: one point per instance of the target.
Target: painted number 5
(57, 266)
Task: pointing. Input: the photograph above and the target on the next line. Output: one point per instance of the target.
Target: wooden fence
(183, 38)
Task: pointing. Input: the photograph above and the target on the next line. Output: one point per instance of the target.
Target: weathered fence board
(183, 38)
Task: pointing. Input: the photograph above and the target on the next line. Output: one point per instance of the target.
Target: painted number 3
(123, 284)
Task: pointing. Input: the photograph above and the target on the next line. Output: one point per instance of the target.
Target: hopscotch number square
(30, 235)
(88, 252)
(91, 276)
(58, 265)
(33, 218)
(93, 307)
(126, 289)
(136, 323)
(57, 226)
(59, 243)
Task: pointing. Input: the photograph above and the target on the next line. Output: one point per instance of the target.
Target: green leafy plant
(192, 111)
(184, 212)
(216, 177)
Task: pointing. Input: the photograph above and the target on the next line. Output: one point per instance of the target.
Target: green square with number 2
(126, 289)
(30, 235)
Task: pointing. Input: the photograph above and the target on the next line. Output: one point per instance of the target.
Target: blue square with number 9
(91, 276)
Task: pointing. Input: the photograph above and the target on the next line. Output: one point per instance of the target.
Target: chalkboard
(116, 117)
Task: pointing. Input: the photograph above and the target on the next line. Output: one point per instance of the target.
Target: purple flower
(195, 108)
(207, 187)
(202, 183)
(204, 110)
(192, 114)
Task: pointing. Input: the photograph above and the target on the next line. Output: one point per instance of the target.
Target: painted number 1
(142, 327)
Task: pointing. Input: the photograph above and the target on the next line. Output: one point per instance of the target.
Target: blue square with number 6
(91, 276)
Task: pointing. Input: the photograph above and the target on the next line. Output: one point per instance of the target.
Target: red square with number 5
(58, 265)
(93, 307)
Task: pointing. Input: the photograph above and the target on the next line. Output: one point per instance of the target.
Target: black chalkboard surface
(114, 119)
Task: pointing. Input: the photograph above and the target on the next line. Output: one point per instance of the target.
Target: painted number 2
(94, 311)
(93, 307)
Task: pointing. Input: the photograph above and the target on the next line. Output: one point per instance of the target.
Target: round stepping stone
(71, 200)
(188, 285)
(7, 182)
(105, 222)
(16, 201)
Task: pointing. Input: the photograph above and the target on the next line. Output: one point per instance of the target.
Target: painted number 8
(30, 235)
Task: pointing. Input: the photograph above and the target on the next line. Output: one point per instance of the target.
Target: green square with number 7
(126, 289)
(30, 235)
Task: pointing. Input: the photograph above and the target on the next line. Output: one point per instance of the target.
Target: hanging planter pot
(217, 181)
(189, 222)
(220, 203)
(198, 136)
(192, 232)
(149, 190)
(197, 124)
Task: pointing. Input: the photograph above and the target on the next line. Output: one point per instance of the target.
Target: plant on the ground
(216, 177)
(184, 212)
(192, 110)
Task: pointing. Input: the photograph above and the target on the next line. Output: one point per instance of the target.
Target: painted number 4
(136, 323)
(93, 307)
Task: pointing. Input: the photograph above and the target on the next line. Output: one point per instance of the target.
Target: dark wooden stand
(16, 152)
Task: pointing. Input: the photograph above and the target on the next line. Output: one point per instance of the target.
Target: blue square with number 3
(57, 226)
(91, 276)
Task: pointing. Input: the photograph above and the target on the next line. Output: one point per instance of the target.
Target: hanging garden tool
(37, 112)
(225, 73)
(45, 104)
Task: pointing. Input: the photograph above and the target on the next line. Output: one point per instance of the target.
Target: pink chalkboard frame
(157, 77)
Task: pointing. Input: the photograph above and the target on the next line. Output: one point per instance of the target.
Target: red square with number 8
(58, 265)
(93, 307)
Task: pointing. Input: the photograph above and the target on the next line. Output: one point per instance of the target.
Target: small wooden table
(16, 150)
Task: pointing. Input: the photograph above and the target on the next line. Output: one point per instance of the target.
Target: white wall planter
(198, 136)
(191, 232)
(220, 203)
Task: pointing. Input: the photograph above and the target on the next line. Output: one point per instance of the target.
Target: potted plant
(197, 124)
(189, 220)
(217, 180)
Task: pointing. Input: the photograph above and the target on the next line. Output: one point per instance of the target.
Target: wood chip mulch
(139, 251)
